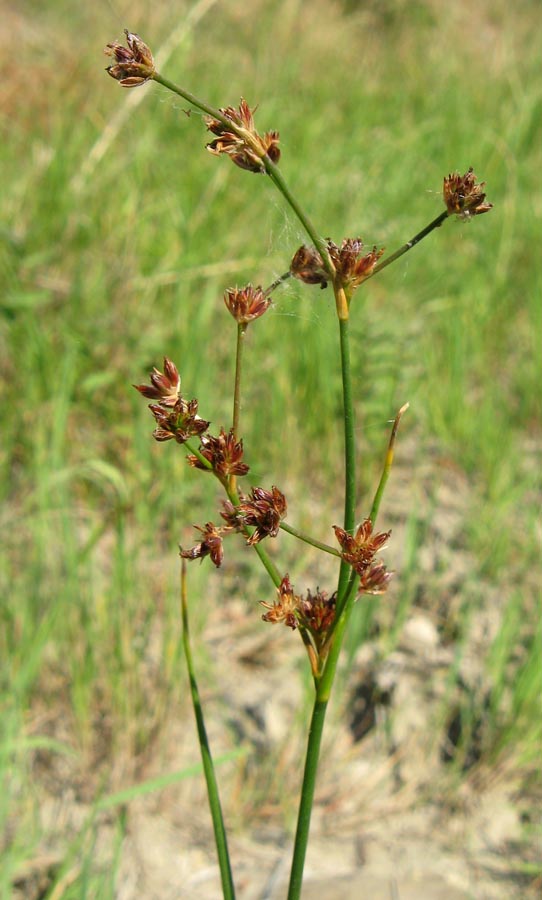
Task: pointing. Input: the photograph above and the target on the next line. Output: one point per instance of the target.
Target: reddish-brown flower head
(313, 614)
(284, 609)
(178, 423)
(308, 266)
(245, 147)
(359, 549)
(134, 64)
(375, 579)
(246, 304)
(264, 510)
(210, 544)
(224, 453)
(463, 196)
(164, 387)
(317, 614)
(351, 264)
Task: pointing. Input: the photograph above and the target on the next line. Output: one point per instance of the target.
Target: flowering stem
(278, 281)
(436, 223)
(307, 797)
(349, 454)
(309, 540)
(219, 829)
(345, 595)
(278, 180)
(387, 465)
(323, 691)
(241, 332)
(194, 101)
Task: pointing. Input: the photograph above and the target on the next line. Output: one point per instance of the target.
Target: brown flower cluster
(463, 196)
(224, 452)
(246, 304)
(134, 64)
(262, 510)
(285, 608)
(313, 614)
(176, 418)
(210, 544)
(351, 264)
(308, 266)
(245, 147)
(359, 551)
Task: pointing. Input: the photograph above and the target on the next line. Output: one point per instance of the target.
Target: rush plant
(256, 514)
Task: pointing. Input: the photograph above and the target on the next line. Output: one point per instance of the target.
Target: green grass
(106, 270)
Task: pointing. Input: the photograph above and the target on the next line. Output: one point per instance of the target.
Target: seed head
(164, 387)
(360, 549)
(284, 608)
(246, 304)
(351, 264)
(245, 147)
(134, 64)
(463, 196)
(224, 453)
(210, 544)
(178, 423)
(308, 266)
(375, 579)
(264, 510)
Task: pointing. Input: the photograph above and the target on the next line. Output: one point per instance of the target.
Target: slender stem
(196, 452)
(328, 675)
(269, 565)
(387, 465)
(241, 332)
(278, 180)
(349, 455)
(307, 798)
(195, 101)
(436, 223)
(309, 540)
(278, 281)
(219, 829)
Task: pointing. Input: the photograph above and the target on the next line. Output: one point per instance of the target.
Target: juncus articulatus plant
(257, 513)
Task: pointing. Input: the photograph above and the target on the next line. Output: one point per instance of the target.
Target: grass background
(117, 239)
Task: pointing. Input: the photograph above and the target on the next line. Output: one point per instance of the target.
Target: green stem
(436, 223)
(277, 178)
(241, 333)
(349, 455)
(309, 540)
(307, 797)
(219, 829)
(278, 281)
(195, 101)
(330, 667)
(195, 451)
(345, 595)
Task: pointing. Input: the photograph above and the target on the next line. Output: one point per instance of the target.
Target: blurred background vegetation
(118, 235)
